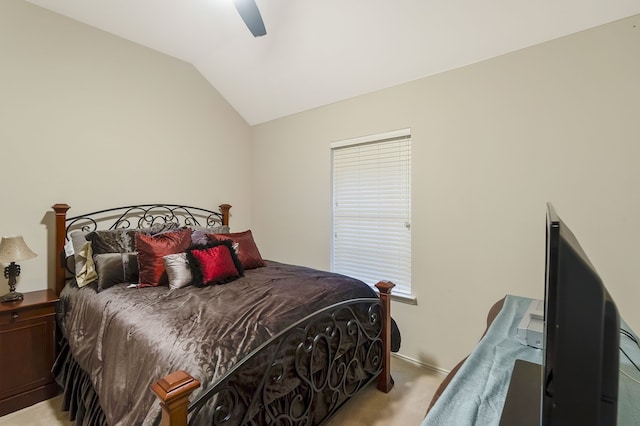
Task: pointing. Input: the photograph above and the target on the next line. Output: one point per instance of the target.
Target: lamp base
(12, 296)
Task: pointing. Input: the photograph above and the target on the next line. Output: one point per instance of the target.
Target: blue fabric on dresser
(476, 395)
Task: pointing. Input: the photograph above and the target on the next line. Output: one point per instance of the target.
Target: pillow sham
(199, 237)
(200, 233)
(214, 263)
(159, 227)
(216, 229)
(87, 272)
(247, 250)
(116, 268)
(151, 250)
(112, 241)
(77, 242)
(178, 270)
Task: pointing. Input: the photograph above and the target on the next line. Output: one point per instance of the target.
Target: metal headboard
(143, 216)
(137, 216)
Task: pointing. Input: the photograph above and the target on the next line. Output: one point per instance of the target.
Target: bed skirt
(79, 398)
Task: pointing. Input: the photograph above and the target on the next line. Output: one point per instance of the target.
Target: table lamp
(13, 249)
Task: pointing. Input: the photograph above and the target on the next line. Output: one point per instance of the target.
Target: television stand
(522, 405)
(478, 388)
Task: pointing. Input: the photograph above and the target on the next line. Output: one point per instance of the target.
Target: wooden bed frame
(174, 390)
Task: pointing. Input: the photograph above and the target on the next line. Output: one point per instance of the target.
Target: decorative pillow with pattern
(215, 229)
(159, 228)
(200, 233)
(112, 241)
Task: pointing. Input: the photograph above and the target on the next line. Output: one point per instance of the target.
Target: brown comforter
(127, 338)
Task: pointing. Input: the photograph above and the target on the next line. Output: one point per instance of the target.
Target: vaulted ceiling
(317, 52)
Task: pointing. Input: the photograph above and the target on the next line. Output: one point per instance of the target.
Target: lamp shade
(14, 249)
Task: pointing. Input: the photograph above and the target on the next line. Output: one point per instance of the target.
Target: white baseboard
(421, 364)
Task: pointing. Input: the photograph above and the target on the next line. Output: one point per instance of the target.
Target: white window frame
(377, 228)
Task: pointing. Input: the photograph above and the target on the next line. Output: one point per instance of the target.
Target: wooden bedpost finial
(224, 209)
(385, 287)
(174, 391)
(60, 208)
(60, 226)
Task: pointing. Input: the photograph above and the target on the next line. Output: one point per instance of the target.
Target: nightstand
(27, 350)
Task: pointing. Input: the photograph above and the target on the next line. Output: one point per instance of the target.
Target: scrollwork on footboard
(302, 375)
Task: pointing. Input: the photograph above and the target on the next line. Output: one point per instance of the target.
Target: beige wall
(94, 121)
(492, 142)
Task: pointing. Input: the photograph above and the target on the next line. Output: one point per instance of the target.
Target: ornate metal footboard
(299, 377)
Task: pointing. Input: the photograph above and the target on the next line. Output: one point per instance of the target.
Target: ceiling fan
(248, 10)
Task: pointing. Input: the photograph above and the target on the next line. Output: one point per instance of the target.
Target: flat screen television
(581, 336)
(577, 383)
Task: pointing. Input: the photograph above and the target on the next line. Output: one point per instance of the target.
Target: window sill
(409, 299)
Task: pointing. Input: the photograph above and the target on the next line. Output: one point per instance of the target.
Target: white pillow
(178, 270)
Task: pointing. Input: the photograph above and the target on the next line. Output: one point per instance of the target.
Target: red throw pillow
(151, 249)
(247, 249)
(214, 263)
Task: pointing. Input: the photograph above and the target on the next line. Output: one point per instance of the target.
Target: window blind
(372, 209)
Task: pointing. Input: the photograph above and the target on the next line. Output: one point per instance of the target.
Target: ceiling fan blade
(248, 10)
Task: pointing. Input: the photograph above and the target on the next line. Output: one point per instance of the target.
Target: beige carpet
(404, 405)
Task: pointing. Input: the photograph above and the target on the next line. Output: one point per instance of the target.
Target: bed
(475, 391)
(166, 316)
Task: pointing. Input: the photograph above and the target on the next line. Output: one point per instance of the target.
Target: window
(372, 209)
